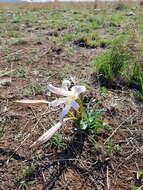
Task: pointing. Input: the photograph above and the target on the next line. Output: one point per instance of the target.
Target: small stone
(5, 82)
(130, 14)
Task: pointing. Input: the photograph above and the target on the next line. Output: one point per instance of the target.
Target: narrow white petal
(66, 84)
(59, 91)
(47, 135)
(75, 105)
(78, 89)
(57, 102)
(65, 111)
(73, 79)
(32, 102)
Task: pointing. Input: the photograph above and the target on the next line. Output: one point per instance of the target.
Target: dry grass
(56, 4)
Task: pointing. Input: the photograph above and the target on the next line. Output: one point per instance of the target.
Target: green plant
(109, 147)
(103, 91)
(136, 188)
(19, 73)
(26, 173)
(116, 21)
(136, 78)
(110, 64)
(93, 121)
(122, 63)
(55, 141)
(26, 92)
(13, 58)
(140, 174)
(37, 89)
(23, 184)
(87, 40)
(103, 43)
(68, 37)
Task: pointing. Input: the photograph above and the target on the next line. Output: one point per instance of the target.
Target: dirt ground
(75, 160)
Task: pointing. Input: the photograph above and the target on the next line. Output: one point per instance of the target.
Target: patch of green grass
(89, 40)
(19, 41)
(104, 43)
(116, 21)
(109, 147)
(19, 73)
(111, 63)
(26, 92)
(26, 176)
(68, 37)
(12, 58)
(94, 24)
(14, 34)
(103, 91)
(140, 174)
(136, 188)
(37, 89)
(122, 62)
(54, 142)
(23, 184)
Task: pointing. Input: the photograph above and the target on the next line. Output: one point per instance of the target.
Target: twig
(17, 148)
(107, 179)
(113, 133)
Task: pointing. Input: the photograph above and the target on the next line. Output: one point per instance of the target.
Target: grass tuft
(122, 63)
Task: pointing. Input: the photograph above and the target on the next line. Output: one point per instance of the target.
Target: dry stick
(37, 117)
(45, 113)
(6, 73)
(118, 128)
(107, 179)
(44, 179)
(17, 148)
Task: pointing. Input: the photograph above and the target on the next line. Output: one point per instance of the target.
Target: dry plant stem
(44, 179)
(37, 118)
(7, 72)
(131, 116)
(108, 181)
(45, 113)
(18, 148)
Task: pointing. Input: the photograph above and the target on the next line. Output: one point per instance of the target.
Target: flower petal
(78, 89)
(73, 79)
(75, 105)
(65, 111)
(47, 135)
(59, 91)
(66, 84)
(57, 102)
(32, 102)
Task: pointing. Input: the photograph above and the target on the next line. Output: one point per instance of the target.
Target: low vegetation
(122, 63)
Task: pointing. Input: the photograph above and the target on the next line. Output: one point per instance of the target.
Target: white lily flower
(70, 97)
